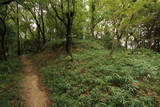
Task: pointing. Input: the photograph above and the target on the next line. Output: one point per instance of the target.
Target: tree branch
(57, 14)
(6, 2)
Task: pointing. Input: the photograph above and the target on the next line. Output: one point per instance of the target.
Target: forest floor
(33, 92)
(127, 79)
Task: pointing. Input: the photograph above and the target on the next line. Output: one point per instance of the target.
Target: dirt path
(33, 92)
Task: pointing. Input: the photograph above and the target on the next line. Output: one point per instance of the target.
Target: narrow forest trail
(33, 92)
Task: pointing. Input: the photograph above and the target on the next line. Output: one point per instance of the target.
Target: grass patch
(9, 89)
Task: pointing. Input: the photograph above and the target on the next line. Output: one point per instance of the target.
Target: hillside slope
(95, 80)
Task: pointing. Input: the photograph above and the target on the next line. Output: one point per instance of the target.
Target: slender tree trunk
(43, 27)
(3, 47)
(18, 36)
(126, 42)
(38, 40)
(3, 40)
(113, 43)
(56, 26)
(38, 20)
(92, 17)
(83, 28)
(112, 49)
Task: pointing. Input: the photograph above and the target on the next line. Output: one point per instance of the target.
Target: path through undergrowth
(33, 92)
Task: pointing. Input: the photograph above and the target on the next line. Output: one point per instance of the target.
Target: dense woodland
(90, 53)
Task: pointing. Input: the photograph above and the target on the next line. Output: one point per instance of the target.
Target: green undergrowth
(9, 78)
(93, 79)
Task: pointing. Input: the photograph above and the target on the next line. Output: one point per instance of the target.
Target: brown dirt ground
(33, 92)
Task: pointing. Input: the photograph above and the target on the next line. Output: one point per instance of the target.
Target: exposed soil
(33, 92)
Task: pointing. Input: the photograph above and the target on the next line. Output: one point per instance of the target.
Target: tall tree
(66, 16)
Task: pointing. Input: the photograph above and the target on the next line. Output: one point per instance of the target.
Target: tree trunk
(69, 31)
(38, 40)
(18, 36)
(69, 42)
(3, 48)
(92, 17)
(126, 42)
(3, 40)
(43, 27)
